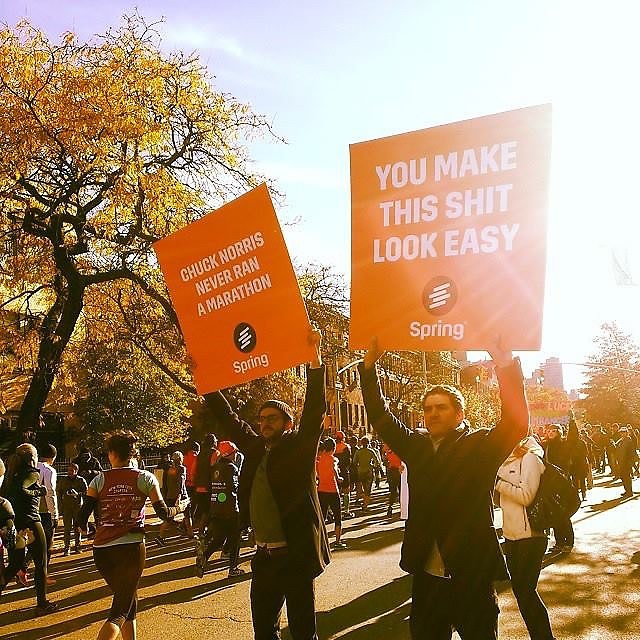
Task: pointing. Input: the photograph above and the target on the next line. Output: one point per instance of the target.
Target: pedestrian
(626, 456)
(277, 493)
(365, 461)
(343, 454)
(207, 457)
(580, 465)
(558, 450)
(174, 489)
(223, 521)
(22, 489)
(118, 547)
(329, 481)
(450, 545)
(71, 489)
(48, 502)
(190, 461)
(88, 468)
(517, 483)
(394, 473)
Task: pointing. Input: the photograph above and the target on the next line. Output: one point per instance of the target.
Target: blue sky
(333, 73)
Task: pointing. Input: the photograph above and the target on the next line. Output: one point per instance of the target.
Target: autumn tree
(613, 383)
(105, 147)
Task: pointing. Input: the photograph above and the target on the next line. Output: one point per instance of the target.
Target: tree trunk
(57, 329)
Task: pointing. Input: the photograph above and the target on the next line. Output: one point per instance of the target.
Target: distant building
(552, 370)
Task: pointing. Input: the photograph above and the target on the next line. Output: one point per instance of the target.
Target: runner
(118, 548)
(329, 481)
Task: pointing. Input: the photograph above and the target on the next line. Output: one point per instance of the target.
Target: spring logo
(244, 337)
(440, 295)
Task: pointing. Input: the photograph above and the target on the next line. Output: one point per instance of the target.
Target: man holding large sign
(235, 293)
(450, 545)
(449, 234)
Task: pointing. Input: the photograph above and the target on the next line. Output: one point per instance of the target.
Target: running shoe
(339, 545)
(201, 560)
(159, 541)
(46, 607)
(234, 572)
(22, 578)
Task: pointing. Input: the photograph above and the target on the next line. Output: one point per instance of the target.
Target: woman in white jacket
(517, 484)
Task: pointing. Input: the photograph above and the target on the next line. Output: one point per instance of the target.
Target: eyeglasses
(270, 419)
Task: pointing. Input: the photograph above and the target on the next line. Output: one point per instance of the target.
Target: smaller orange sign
(449, 234)
(236, 294)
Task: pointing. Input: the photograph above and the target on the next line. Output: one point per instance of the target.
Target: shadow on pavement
(380, 613)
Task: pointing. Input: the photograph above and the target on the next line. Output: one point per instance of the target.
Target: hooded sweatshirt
(518, 482)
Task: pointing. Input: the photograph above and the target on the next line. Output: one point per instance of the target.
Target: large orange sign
(449, 234)
(235, 293)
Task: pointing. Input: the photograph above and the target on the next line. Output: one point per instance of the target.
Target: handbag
(556, 499)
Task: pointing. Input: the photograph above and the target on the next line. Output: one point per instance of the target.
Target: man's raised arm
(233, 427)
(395, 434)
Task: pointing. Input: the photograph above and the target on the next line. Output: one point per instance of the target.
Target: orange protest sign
(236, 295)
(449, 234)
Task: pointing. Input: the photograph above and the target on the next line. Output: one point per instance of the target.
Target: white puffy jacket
(518, 482)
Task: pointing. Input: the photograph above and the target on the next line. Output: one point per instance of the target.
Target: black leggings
(330, 501)
(38, 551)
(121, 566)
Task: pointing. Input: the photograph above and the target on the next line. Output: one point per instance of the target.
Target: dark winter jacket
(291, 472)
(450, 489)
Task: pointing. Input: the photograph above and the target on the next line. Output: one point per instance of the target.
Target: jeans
(467, 604)
(524, 560)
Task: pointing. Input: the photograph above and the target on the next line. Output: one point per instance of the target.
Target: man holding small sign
(450, 545)
(279, 497)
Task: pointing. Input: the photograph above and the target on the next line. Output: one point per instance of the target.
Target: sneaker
(47, 607)
(389, 512)
(234, 572)
(77, 550)
(159, 541)
(66, 552)
(339, 545)
(201, 560)
(22, 578)
(225, 555)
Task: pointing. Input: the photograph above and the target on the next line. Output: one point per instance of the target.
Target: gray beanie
(281, 406)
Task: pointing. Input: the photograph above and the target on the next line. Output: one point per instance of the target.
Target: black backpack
(556, 499)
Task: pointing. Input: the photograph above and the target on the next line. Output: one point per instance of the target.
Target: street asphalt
(592, 593)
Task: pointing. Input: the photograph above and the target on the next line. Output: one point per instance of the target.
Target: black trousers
(524, 560)
(393, 478)
(274, 583)
(223, 531)
(38, 551)
(440, 605)
(47, 525)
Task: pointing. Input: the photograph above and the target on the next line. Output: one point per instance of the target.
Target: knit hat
(281, 406)
(226, 448)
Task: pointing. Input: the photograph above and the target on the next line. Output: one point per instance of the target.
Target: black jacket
(450, 490)
(224, 489)
(291, 471)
